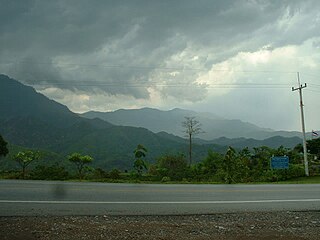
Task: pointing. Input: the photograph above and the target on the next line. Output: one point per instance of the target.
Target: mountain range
(171, 121)
(29, 119)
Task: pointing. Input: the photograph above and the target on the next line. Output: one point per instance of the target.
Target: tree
(261, 158)
(313, 146)
(80, 162)
(3, 147)
(229, 165)
(191, 127)
(24, 159)
(244, 163)
(139, 164)
(173, 166)
(211, 162)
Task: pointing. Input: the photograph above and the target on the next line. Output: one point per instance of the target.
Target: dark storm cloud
(71, 44)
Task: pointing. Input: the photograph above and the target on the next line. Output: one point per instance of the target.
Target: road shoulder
(260, 225)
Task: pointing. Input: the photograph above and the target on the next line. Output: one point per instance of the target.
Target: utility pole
(305, 156)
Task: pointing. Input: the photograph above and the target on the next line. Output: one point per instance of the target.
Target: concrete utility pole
(305, 156)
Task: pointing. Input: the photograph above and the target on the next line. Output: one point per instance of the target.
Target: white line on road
(163, 202)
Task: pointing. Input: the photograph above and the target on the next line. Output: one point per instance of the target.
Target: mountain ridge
(29, 119)
(170, 121)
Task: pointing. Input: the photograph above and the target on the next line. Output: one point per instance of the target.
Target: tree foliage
(313, 146)
(139, 163)
(53, 172)
(229, 166)
(173, 166)
(3, 147)
(25, 158)
(81, 162)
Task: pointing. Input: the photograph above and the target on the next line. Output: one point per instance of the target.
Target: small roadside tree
(3, 147)
(139, 164)
(191, 127)
(81, 162)
(229, 166)
(313, 146)
(24, 158)
(174, 167)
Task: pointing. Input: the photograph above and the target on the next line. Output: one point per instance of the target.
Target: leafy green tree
(139, 164)
(298, 148)
(173, 166)
(191, 127)
(114, 174)
(3, 147)
(211, 162)
(24, 158)
(206, 170)
(281, 151)
(81, 163)
(261, 158)
(243, 165)
(229, 166)
(313, 146)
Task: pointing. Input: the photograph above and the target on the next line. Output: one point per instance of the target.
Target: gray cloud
(135, 49)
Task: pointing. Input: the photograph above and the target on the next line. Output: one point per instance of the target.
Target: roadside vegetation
(234, 166)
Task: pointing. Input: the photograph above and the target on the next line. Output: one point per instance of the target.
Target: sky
(237, 59)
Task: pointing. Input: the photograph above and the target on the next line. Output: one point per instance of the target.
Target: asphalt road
(38, 198)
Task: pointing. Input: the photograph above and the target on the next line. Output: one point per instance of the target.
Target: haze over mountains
(170, 121)
(31, 120)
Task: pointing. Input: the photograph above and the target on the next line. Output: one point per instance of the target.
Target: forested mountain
(170, 121)
(29, 119)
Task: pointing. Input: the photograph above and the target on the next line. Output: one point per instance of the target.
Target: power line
(181, 68)
(155, 84)
(315, 85)
(312, 75)
(313, 91)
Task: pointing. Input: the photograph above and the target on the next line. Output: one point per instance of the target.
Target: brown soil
(271, 225)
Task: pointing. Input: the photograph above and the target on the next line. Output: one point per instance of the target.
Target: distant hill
(29, 119)
(18, 100)
(170, 121)
(240, 143)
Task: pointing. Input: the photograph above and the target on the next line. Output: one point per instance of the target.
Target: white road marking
(162, 202)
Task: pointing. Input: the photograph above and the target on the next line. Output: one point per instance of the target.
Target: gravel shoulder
(266, 225)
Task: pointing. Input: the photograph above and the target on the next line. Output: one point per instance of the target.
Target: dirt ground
(270, 225)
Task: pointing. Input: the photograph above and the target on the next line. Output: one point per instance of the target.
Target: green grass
(300, 180)
(303, 180)
(126, 178)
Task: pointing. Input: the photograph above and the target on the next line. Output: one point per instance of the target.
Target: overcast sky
(237, 59)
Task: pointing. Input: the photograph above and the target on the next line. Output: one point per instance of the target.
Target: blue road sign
(280, 162)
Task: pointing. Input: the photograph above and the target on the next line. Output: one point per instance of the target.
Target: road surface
(38, 198)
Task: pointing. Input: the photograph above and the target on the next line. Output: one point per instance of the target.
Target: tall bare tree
(191, 127)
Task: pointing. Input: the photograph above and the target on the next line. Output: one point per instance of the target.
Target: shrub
(166, 179)
(54, 172)
(173, 166)
(114, 174)
(296, 170)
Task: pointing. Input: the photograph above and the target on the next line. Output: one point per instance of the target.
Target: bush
(296, 170)
(97, 173)
(114, 174)
(173, 166)
(10, 175)
(166, 179)
(54, 172)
